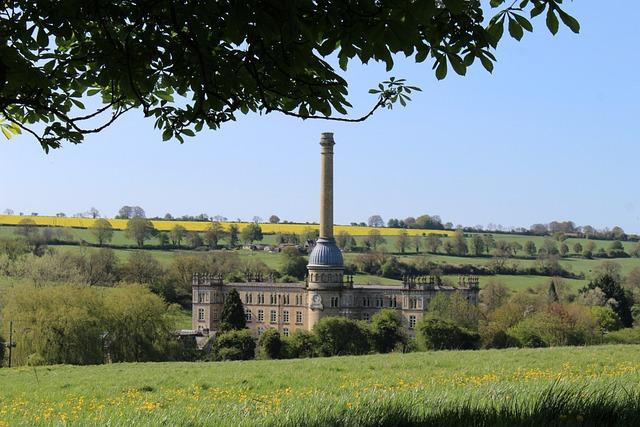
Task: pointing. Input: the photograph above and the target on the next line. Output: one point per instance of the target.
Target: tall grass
(534, 387)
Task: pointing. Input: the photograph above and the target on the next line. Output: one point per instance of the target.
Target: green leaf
(441, 69)
(524, 22)
(343, 60)
(77, 103)
(515, 29)
(167, 134)
(42, 38)
(457, 64)
(5, 132)
(164, 96)
(552, 21)
(537, 10)
(486, 63)
(421, 55)
(569, 21)
(496, 29)
(92, 92)
(188, 132)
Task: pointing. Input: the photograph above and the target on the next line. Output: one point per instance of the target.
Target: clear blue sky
(552, 135)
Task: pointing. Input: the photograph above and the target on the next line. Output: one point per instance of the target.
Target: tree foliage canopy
(191, 64)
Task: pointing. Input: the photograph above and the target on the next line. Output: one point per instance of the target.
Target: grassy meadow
(554, 386)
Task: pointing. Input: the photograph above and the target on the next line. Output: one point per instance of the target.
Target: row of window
(274, 299)
(273, 316)
(284, 299)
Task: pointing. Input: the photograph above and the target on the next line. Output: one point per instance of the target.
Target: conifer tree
(232, 313)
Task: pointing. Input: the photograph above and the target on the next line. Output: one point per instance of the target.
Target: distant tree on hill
(142, 267)
(29, 231)
(635, 251)
(409, 222)
(214, 234)
(375, 221)
(26, 228)
(608, 281)
(549, 247)
(140, 229)
(310, 234)
(177, 233)
(588, 231)
(195, 240)
(274, 219)
(417, 243)
(127, 212)
(94, 213)
(402, 241)
(564, 249)
(8, 211)
(577, 248)
(163, 239)
(251, 233)
(429, 222)
(433, 243)
(616, 249)
(489, 242)
(477, 245)
(515, 247)
(373, 239)
(257, 219)
(234, 232)
(293, 264)
(540, 229)
(345, 241)
(460, 243)
(233, 316)
(102, 230)
(530, 248)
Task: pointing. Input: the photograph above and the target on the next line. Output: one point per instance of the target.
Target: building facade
(326, 290)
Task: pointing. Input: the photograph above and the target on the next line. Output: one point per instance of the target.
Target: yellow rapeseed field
(162, 225)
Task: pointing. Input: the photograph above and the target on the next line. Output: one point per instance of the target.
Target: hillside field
(555, 386)
(167, 225)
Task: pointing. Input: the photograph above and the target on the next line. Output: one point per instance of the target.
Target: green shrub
(270, 344)
(438, 334)
(235, 345)
(386, 331)
(300, 344)
(623, 336)
(339, 336)
(293, 264)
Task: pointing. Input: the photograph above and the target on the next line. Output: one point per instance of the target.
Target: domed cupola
(326, 254)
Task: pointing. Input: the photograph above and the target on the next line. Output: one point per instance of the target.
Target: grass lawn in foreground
(556, 386)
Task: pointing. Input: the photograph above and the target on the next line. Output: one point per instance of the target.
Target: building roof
(267, 285)
(326, 254)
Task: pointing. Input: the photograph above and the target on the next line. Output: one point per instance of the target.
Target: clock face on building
(317, 298)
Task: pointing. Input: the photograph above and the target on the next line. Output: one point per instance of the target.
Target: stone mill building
(326, 290)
